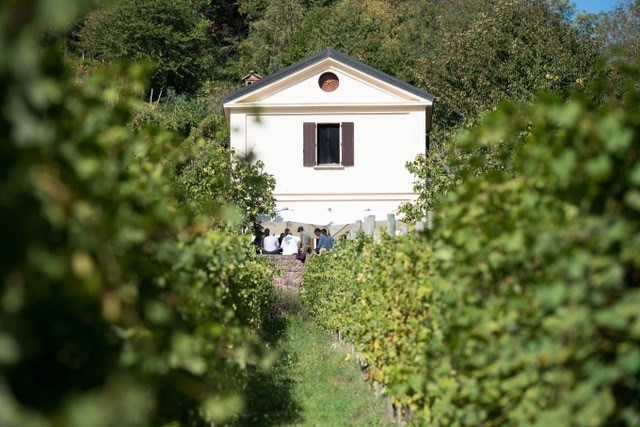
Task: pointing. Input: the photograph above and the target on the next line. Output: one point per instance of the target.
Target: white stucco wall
(384, 140)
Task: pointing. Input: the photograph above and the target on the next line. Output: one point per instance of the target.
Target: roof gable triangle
(327, 59)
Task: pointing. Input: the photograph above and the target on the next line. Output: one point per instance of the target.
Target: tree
(270, 32)
(514, 51)
(619, 34)
(216, 179)
(173, 34)
(285, 32)
(364, 30)
(119, 306)
(620, 30)
(517, 49)
(424, 25)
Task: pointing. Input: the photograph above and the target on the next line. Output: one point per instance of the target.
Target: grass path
(312, 384)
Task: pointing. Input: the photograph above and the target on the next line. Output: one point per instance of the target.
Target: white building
(336, 135)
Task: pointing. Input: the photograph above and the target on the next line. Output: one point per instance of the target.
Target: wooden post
(159, 96)
(370, 225)
(391, 225)
(358, 226)
(430, 220)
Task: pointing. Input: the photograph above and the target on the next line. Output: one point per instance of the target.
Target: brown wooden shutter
(309, 144)
(347, 144)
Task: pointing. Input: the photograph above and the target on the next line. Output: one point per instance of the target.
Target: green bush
(173, 34)
(118, 306)
(512, 50)
(217, 180)
(525, 297)
(210, 177)
(369, 292)
(181, 114)
(543, 330)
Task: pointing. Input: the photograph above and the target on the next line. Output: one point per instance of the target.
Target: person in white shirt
(270, 243)
(290, 243)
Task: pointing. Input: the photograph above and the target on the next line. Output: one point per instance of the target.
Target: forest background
(471, 54)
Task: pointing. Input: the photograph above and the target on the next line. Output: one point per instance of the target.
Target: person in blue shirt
(321, 240)
(330, 241)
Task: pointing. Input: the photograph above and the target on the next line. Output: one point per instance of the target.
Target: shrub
(171, 33)
(378, 295)
(522, 304)
(117, 305)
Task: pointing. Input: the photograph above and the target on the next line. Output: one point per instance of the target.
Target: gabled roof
(252, 74)
(340, 57)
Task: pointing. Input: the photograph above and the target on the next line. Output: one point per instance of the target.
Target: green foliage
(527, 292)
(364, 30)
(513, 51)
(313, 383)
(211, 180)
(172, 34)
(619, 31)
(619, 34)
(217, 179)
(373, 293)
(180, 114)
(285, 32)
(426, 25)
(117, 305)
(446, 166)
(389, 36)
(269, 36)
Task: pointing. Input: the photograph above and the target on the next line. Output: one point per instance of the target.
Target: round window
(328, 82)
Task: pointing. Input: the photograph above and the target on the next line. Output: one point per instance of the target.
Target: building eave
(260, 106)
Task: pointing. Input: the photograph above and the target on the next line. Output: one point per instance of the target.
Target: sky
(595, 6)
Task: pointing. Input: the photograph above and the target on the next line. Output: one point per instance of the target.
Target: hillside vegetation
(520, 308)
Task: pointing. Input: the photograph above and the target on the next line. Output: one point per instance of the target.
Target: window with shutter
(328, 144)
(309, 144)
(347, 144)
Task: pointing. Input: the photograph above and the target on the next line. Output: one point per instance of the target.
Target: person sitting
(330, 240)
(321, 241)
(305, 240)
(290, 243)
(270, 243)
